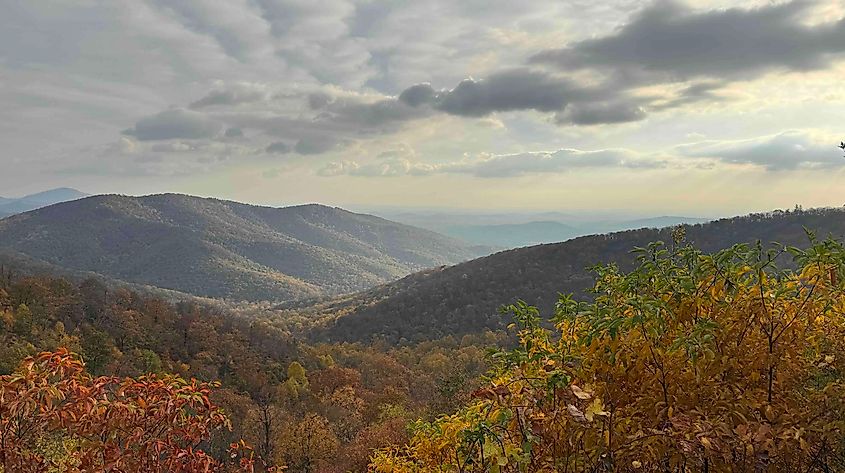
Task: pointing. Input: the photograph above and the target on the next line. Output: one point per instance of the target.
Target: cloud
(278, 147)
(308, 123)
(669, 41)
(315, 145)
(795, 149)
(338, 76)
(172, 147)
(507, 91)
(789, 150)
(417, 95)
(503, 166)
(338, 168)
(368, 116)
(706, 91)
(328, 120)
(601, 113)
(600, 82)
(517, 89)
(563, 160)
(315, 36)
(233, 94)
(392, 168)
(175, 123)
(237, 28)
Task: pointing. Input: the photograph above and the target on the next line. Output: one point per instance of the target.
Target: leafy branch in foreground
(56, 417)
(691, 362)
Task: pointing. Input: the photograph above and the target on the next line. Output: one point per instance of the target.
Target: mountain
(11, 206)
(224, 249)
(513, 230)
(464, 298)
(613, 225)
(513, 235)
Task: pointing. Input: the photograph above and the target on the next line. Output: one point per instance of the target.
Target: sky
(706, 107)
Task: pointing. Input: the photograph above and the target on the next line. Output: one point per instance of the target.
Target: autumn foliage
(56, 417)
(691, 362)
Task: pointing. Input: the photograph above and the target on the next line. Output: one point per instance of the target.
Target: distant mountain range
(223, 249)
(12, 206)
(506, 231)
(464, 298)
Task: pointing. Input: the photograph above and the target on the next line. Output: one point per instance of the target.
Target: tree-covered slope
(465, 298)
(218, 248)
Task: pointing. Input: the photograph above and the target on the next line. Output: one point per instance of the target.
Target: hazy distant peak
(53, 196)
(12, 206)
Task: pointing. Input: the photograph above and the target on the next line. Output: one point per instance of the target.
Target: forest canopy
(689, 362)
(347, 399)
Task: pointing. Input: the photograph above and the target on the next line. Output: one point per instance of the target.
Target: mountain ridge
(465, 298)
(516, 230)
(218, 248)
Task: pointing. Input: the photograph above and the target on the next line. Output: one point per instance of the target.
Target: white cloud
(794, 149)
(233, 94)
(502, 166)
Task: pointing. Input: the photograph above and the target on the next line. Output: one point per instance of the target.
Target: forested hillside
(312, 407)
(763, 348)
(223, 249)
(465, 298)
(691, 362)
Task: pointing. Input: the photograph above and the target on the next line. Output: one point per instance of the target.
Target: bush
(690, 362)
(56, 417)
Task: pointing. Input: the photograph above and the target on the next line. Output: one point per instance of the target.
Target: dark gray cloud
(506, 91)
(234, 133)
(175, 123)
(602, 113)
(368, 117)
(788, 150)
(668, 41)
(279, 147)
(707, 91)
(516, 89)
(417, 95)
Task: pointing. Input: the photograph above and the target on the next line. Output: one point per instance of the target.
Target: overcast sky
(710, 107)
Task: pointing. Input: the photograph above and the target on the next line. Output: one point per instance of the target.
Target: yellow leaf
(596, 408)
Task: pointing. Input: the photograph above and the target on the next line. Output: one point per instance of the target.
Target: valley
(318, 322)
